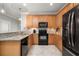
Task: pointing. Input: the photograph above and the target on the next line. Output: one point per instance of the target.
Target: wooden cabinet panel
(35, 21)
(45, 18)
(42, 18)
(75, 4)
(52, 22)
(58, 41)
(29, 22)
(59, 21)
(69, 7)
(30, 41)
(35, 39)
(50, 19)
(50, 39)
(10, 48)
(32, 21)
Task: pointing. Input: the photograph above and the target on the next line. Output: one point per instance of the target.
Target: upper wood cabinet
(35, 21)
(29, 22)
(51, 21)
(75, 4)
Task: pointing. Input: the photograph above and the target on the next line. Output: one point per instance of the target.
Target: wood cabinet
(10, 48)
(35, 39)
(51, 39)
(33, 21)
(29, 22)
(30, 40)
(51, 22)
(50, 19)
(75, 4)
(58, 41)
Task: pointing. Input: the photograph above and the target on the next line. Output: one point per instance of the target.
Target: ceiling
(15, 9)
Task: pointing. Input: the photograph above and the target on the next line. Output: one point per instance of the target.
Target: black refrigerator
(70, 33)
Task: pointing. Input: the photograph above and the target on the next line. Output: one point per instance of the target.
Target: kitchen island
(12, 46)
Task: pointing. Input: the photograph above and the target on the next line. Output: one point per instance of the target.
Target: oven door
(43, 39)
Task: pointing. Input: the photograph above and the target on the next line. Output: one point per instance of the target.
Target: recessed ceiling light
(24, 4)
(51, 4)
(2, 11)
(20, 19)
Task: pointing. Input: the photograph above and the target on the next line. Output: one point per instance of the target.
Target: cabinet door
(58, 41)
(35, 21)
(29, 23)
(75, 4)
(50, 39)
(35, 40)
(30, 41)
(51, 21)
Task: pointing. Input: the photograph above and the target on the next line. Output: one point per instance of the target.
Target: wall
(23, 22)
(8, 24)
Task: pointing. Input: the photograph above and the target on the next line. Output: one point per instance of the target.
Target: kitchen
(33, 29)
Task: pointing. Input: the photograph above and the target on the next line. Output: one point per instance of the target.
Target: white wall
(8, 24)
(23, 22)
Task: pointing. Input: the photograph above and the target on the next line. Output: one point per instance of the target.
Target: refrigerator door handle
(69, 29)
(72, 32)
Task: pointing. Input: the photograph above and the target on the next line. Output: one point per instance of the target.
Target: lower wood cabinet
(58, 41)
(10, 48)
(30, 40)
(35, 39)
(50, 39)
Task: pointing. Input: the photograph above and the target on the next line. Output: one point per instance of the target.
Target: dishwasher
(24, 47)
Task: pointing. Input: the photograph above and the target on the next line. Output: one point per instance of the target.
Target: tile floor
(44, 50)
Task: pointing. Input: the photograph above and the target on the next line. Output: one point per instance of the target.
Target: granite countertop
(21, 36)
(17, 38)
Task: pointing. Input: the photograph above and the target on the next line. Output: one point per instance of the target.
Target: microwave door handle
(69, 29)
(72, 32)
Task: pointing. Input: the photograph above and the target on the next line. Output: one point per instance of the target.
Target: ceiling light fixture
(51, 4)
(2, 11)
(24, 4)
